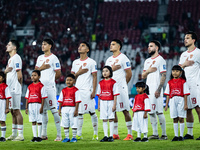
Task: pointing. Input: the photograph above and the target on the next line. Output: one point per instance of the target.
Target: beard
(152, 53)
(188, 45)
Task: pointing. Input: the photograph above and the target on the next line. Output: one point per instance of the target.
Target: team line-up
(77, 98)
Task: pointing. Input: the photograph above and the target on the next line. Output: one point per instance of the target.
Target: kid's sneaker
(116, 136)
(66, 140)
(34, 139)
(2, 139)
(73, 140)
(95, 137)
(79, 137)
(11, 137)
(19, 138)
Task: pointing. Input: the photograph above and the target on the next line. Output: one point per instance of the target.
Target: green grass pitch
(88, 144)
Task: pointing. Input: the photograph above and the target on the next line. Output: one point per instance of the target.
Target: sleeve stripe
(57, 69)
(116, 94)
(127, 68)
(26, 97)
(36, 67)
(94, 72)
(18, 69)
(148, 110)
(72, 71)
(44, 97)
(166, 94)
(187, 94)
(8, 97)
(163, 71)
(78, 101)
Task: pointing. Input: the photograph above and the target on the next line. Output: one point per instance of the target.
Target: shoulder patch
(128, 64)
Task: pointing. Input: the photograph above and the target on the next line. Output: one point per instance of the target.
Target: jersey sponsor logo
(69, 100)
(128, 64)
(17, 65)
(33, 96)
(84, 64)
(47, 60)
(176, 91)
(191, 56)
(106, 93)
(57, 65)
(164, 67)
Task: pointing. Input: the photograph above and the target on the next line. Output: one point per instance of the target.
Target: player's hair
(143, 85)
(87, 44)
(157, 43)
(15, 43)
(177, 67)
(37, 71)
(110, 69)
(118, 41)
(3, 76)
(49, 41)
(71, 75)
(194, 35)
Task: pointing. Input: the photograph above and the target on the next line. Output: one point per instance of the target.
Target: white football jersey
(119, 75)
(192, 73)
(153, 79)
(14, 62)
(48, 75)
(84, 81)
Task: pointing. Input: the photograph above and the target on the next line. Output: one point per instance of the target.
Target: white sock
(57, 121)
(190, 128)
(39, 130)
(66, 133)
(74, 132)
(111, 128)
(129, 127)
(145, 135)
(182, 126)
(162, 123)
(80, 125)
(3, 131)
(14, 129)
(139, 134)
(105, 128)
(95, 123)
(44, 123)
(115, 128)
(34, 129)
(153, 120)
(20, 130)
(176, 129)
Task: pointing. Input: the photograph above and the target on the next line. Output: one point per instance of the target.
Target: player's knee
(181, 120)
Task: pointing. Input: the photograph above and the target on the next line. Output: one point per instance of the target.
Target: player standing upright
(85, 71)
(14, 81)
(155, 72)
(122, 75)
(49, 66)
(190, 62)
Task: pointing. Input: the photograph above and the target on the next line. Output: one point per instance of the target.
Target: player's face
(106, 73)
(10, 47)
(152, 48)
(70, 81)
(82, 49)
(140, 90)
(46, 47)
(114, 46)
(35, 77)
(188, 40)
(176, 73)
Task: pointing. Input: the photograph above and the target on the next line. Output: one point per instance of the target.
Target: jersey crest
(47, 60)
(84, 64)
(191, 55)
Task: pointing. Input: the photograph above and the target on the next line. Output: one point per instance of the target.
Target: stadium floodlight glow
(68, 29)
(34, 43)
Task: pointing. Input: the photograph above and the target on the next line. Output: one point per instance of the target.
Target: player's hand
(81, 71)
(26, 111)
(115, 67)
(145, 115)
(75, 113)
(44, 66)
(166, 107)
(41, 110)
(185, 107)
(114, 108)
(8, 69)
(151, 69)
(98, 108)
(7, 111)
(92, 95)
(188, 63)
(157, 94)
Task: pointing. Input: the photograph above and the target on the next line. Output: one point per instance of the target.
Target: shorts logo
(57, 65)
(47, 60)
(17, 65)
(191, 56)
(128, 64)
(84, 64)
(164, 67)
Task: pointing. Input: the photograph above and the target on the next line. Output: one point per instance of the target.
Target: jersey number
(121, 105)
(50, 102)
(85, 106)
(153, 106)
(194, 101)
(10, 103)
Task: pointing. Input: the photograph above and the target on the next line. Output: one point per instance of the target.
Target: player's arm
(94, 82)
(80, 72)
(58, 74)
(8, 69)
(167, 103)
(59, 110)
(128, 75)
(114, 104)
(185, 102)
(115, 67)
(26, 107)
(162, 82)
(7, 106)
(76, 110)
(42, 106)
(187, 63)
(148, 71)
(98, 104)
(43, 67)
(19, 76)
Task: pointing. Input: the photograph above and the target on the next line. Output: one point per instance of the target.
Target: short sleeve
(60, 100)
(98, 90)
(37, 63)
(27, 94)
(162, 66)
(73, 67)
(115, 89)
(147, 104)
(186, 90)
(181, 59)
(43, 93)
(77, 97)
(126, 63)
(17, 63)
(7, 93)
(56, 64)
(145, 66)
(94, 67)
(167, 90)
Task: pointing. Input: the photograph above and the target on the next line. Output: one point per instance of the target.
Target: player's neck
(116, 53)
(107, 78)
(36, 82)
(12, 53)
(47, 53)
(191, 48)
(83, 56)
(155, 55)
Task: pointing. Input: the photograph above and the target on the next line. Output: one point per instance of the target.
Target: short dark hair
(110, 69)
(177, 67)
(143, 85)
(87, 44)
(71, 75)
(3, 76)
(49, 41)
(194, 35)
(15, 43)
(157, 43)
(37, 71)
(118, 41)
